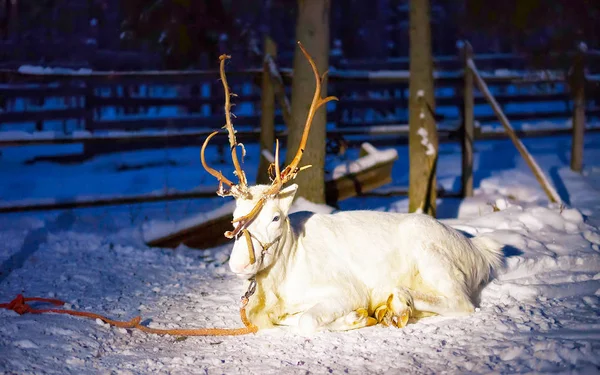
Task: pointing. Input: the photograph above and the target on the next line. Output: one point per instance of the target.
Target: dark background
(182, 34)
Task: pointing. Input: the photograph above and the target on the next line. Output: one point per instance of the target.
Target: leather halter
(265, 247)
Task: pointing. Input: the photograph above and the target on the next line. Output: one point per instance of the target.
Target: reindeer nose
(241, 269)
(237, 267)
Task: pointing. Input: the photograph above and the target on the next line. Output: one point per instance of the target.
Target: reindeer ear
(286, 196)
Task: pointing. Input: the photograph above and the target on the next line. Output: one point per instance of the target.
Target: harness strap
(250, 246)
(265, 247)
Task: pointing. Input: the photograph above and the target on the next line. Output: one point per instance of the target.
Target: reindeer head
(260, 218)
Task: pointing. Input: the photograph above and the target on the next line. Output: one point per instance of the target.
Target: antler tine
(229, 126)
(222, 179)
(277, 183)
(277, 171)
(291, 170)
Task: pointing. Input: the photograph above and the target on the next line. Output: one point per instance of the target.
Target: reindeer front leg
(358, 318)
(333, 316)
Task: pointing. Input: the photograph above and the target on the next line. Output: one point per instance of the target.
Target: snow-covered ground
(541, 314)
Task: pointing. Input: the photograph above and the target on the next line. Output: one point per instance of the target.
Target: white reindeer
(345, 270)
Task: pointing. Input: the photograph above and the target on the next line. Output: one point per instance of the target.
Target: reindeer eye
(276, 218)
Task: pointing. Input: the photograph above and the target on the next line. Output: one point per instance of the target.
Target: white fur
(322, 269)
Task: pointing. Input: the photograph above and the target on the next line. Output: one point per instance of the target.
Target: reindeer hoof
(359, 318)
(395, 312)
(380, 313)
(363, 319)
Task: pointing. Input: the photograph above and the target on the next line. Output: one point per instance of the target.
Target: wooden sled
(371, 170)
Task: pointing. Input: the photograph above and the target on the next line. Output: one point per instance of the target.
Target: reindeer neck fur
(267, 300)
(276, 273)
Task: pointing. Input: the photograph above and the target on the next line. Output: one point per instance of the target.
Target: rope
(20, 306)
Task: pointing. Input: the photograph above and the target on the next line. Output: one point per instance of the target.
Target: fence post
(468, 122)
(577, 81)
(267, 116)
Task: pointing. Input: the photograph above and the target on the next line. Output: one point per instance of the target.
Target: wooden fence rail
(51, 204)
(88, 106)
(372, 105)
(341, 82)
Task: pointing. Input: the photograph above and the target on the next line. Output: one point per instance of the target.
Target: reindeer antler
(242, 187)
(290, 172)
(281, 177)
(222, 179)
(229, 125)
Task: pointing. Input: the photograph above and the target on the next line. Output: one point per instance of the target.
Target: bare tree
(423, 140)
(267, 114)
(312, 30)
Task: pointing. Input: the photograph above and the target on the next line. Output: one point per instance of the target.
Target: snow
(9, 136)
(524, 76)
(301, 204)
(540, 313)
(403, 75)
(268, 155)
(429, 149)
(60, 71)
(373, 157)
(157, 229)
(384, 75)
(42, 70)
(593, 77)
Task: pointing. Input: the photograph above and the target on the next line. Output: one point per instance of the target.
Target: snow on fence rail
(89, 103)
(53, 73)
(193, 120)
(395, 133)
(487, 61)
(21, 138)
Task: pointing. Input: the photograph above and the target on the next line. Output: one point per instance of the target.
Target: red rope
(20, 306)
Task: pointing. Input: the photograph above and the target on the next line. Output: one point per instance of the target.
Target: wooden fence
(113, 111)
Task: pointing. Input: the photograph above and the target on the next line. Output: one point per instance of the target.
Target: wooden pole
(312, 30)
(423, 137)
(267, 116)
(279, 88)
(535, 168)
(468, 123)
(577, 81)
